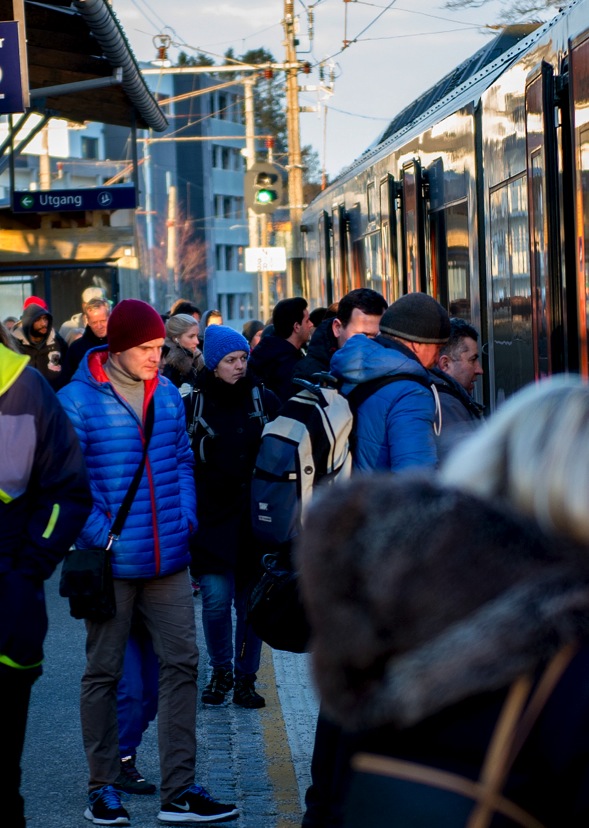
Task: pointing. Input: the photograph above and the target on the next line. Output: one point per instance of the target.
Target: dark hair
(251, 328)
(365, 299)
(184, 306)
(286, 314)
(459, 329)
(317, 316)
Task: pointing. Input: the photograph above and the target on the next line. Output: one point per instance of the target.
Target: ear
(444, 362)
(336, 327)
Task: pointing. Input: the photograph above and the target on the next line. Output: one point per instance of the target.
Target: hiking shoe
(245, 694)
(105, 807)
(196, 805)
(130, 780)
(220, 684)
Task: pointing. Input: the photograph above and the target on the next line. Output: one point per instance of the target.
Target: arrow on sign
(27, 201)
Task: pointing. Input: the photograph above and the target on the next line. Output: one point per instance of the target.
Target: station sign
(89, 198)
(14, 92)
(263, 259)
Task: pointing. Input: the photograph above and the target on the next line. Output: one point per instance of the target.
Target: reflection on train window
(370, 203)
(372, 261)
(511, 308)
(450, 276)
(537, 220)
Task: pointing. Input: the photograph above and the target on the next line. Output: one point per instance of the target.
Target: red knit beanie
(35, 300)
(131, 323)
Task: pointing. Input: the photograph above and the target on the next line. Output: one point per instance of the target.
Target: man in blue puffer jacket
(394, 430)
(395, 424)
(107, 402)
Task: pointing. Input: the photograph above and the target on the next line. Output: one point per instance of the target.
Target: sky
(396, 51)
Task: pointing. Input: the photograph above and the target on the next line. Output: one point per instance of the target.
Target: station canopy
(73, 41)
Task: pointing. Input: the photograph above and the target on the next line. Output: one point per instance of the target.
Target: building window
(89, 147)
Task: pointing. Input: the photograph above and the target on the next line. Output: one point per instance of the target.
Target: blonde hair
(533, 453)
(179, 324)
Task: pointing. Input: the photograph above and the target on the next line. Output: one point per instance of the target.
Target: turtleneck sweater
(131, 389)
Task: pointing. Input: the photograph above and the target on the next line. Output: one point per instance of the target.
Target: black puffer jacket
(272, 362)
(440, 603)
(223, 471)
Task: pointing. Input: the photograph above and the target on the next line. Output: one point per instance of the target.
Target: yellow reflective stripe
(4, 659)
(52, 521)
(5, 497)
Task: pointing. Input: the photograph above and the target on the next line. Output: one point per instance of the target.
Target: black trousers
(15, 694)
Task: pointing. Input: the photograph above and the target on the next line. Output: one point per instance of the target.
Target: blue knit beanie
(220, 341)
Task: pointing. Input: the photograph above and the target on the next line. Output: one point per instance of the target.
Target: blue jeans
(137, 690)
(219, 593)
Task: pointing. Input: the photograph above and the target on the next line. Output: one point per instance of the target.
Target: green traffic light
(266, 196)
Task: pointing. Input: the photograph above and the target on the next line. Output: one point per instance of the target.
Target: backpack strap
(196, 419)
(259, 406)
(360, 393)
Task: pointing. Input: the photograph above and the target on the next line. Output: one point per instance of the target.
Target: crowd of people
(458, 544)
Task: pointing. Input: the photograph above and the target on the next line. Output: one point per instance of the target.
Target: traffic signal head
(263, 187)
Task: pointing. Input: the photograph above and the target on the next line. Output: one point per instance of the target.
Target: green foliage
(192, 60)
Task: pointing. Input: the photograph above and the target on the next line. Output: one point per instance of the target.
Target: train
(478, 194)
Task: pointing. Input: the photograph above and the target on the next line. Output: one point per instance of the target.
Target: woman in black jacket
(456, 602)
(226, 415)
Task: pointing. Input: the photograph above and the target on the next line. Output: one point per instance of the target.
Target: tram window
(450, 280)
(537, 220)
(511, 289)
(372, 262)
(370, 203)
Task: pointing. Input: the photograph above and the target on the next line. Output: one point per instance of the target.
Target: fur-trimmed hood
(420, 597)
(183, 361)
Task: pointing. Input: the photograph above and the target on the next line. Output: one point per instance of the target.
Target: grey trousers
(167, 607)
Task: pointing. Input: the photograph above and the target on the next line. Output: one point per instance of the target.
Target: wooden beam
(85, 244)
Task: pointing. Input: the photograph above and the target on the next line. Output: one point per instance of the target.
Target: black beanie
(417, 317)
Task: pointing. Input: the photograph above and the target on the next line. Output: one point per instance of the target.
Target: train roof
(509, 37)
(464, 84)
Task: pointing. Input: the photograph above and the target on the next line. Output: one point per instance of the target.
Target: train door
(579, 102)
(413, 230)
(543, 206)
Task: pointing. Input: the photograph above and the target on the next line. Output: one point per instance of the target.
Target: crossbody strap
(125, 506)
(518, 715)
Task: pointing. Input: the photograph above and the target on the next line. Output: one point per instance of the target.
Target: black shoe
(105, 807)
(130, 780)
(220, 684)
(196, 805)
(245, 694)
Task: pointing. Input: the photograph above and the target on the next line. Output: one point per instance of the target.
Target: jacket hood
(323, 343)
(362, 359)
(30, 315)
(439, 597)
(11, 367)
